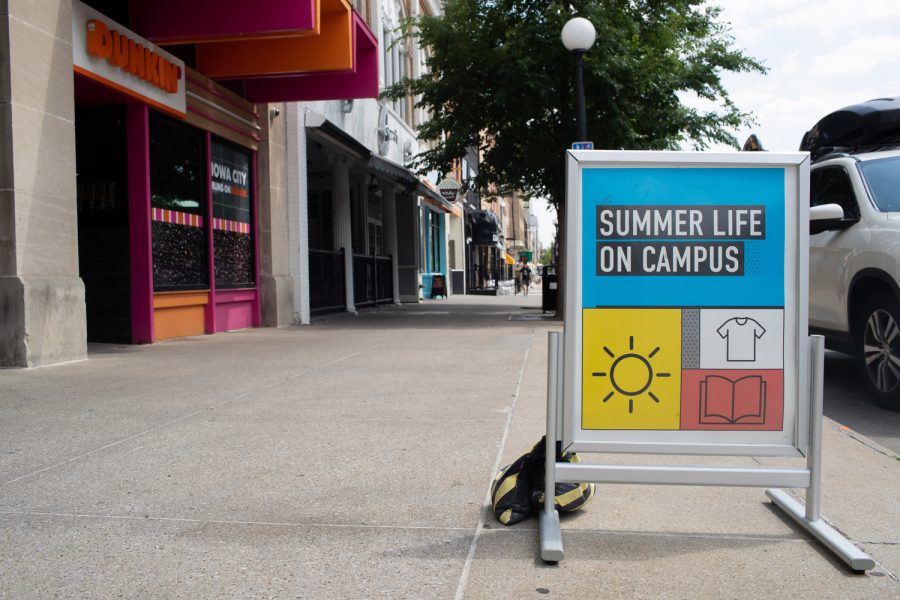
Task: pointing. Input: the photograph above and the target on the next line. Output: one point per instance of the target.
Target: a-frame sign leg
(551, 534)
(808, 517)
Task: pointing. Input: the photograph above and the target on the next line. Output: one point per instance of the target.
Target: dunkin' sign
(130, 56)
(109, 53)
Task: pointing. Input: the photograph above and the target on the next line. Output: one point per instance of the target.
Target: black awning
(405, 177)
(486, 228)
(399, 173)
(323, 129)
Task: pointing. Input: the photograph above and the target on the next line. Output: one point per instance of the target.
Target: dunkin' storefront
(131, 188)
(166, 190)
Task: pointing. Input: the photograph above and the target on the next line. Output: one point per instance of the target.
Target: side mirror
(827, 217)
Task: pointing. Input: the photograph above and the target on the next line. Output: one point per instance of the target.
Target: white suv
(854, 260)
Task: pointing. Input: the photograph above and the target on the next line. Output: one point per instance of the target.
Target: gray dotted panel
(690, 338)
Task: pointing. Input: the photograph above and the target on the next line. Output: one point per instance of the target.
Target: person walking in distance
(526, 278)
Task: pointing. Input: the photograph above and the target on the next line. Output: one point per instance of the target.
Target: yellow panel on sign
(631, 368)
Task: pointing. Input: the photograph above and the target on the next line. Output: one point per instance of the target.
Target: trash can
(548, 288)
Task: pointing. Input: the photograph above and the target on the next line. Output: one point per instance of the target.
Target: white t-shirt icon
(740, 335)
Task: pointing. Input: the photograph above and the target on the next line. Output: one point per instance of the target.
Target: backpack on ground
(518, 489)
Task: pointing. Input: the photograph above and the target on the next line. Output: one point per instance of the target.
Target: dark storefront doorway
(103, 235)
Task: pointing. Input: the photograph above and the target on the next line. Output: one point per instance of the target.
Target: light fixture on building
(346, 106)
(274, 112)
(386, 135)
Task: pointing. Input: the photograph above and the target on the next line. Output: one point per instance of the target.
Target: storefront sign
(119, 58)
(450, 189)
(687, 306)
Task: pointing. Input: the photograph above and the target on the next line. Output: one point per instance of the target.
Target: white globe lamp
(578, 34)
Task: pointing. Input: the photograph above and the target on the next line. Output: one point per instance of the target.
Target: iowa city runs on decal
(223, 176)
(676, 240)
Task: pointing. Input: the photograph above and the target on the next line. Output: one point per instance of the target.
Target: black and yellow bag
(518, 489)
(511, 490)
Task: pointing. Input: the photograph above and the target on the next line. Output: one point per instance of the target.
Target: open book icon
(727, 401)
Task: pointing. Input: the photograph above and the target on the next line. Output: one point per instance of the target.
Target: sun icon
(631, 375)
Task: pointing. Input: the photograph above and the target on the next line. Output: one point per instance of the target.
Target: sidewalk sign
(686, 326)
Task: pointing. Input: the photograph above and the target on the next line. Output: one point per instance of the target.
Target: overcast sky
(821, 56)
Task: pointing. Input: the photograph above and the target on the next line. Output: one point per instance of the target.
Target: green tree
(500, 80)
(546, 256)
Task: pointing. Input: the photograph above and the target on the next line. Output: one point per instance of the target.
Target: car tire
(877, 337)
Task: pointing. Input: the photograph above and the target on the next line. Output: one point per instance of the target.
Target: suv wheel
(877, 337)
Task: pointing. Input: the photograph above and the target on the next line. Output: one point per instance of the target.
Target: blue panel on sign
(582, 145)
(683, 237)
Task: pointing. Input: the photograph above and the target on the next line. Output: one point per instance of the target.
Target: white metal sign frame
(802, 385)
(638, 175)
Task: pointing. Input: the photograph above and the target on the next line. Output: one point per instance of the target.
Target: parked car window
(883, 178)
(831, 185)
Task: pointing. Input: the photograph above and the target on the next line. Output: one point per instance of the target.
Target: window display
(232, 201)
(177, 193)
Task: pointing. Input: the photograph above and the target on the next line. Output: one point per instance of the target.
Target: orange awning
(331, 50)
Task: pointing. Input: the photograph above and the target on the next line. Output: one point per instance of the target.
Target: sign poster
(232, 204)
(230, 180)
(687, 301)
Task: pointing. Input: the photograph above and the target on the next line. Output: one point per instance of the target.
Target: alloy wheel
(881, 350)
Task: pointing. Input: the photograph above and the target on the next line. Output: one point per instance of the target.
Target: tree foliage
(501, 80)
(546, 257)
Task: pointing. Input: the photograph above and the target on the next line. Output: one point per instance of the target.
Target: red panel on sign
(732, 400)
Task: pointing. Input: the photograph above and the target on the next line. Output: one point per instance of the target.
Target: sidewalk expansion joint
(470, 557)
(234, 522)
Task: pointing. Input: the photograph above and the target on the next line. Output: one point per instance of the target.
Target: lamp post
(578, 35)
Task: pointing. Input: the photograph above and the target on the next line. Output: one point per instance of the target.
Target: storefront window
(434, 264)
(177, 194)
(232, 200)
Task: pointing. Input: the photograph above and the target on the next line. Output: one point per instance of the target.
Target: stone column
(298, 213)
(343, 228)
(276, 287)
(389, 195)
(42, 310)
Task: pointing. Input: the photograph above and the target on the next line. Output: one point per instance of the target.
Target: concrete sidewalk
(352, 459)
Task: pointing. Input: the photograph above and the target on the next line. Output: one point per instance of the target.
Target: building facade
(170, 174)
(377, 232)
(145, 163)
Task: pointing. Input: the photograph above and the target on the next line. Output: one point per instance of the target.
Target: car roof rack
(871, 124)
(829, 153)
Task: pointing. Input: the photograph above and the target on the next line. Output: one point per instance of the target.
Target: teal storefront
(434, 265)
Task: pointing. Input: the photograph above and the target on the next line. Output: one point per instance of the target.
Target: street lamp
(578, 35)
